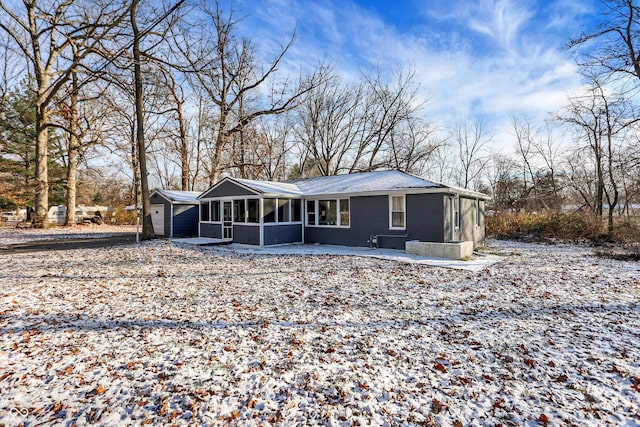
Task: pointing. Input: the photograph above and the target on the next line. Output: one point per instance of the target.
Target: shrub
(571, 226)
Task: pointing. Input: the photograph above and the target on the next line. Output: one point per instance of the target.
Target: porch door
(227, 219)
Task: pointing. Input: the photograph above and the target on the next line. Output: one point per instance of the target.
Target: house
(174, 213)
(384, 208)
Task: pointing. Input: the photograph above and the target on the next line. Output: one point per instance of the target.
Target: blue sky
(485, 58)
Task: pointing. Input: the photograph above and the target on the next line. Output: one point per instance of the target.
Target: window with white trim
(344, 212)
(328, 213)
(397, 214)
(311, 212)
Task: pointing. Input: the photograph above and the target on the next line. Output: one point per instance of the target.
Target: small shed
(174, 213)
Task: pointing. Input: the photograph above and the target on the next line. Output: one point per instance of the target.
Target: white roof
(365, 182)
(180, 196)
(356, 183)
(270, 187)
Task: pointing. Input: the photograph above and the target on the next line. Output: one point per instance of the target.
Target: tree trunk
(40, 219)
(184, 150)
(73, 153)
(147, 225)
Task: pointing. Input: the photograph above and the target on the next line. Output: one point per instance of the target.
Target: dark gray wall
(185, 220)
(246, 234)
(211, 230)
(425, 217)
(370, 216)
(278, 234)
(227, 189)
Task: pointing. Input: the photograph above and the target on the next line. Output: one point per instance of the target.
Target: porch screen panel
(238, 210)
(215, 211)
(283, 210)
(204, 211)
(269, 206)
(253, 210)
(296, 214)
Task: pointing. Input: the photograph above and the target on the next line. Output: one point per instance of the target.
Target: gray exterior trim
(228, 188)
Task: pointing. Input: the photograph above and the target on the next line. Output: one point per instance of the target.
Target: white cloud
(515, 67)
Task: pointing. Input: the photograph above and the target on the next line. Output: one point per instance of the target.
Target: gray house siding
(370, 216)
(246, 234)
(469, 228)
(425, 217)
(227, 189)
(211, 230)
(185, 220)
(278, 234)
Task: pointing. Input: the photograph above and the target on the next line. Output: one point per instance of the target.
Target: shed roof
(177, 196)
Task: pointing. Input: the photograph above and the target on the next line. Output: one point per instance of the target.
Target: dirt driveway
(72, 243)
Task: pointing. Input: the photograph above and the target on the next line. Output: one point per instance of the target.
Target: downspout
(171, 222)
(261, 222)
(452, 220)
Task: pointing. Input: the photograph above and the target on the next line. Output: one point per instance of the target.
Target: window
(296, 215)
(397, 212)
(478, 213)
(283, 210)
(311, 212)
(344, 212)
(204, 211)
(238, 211)
(215, 211)
(253, 210)
(269, 207)
(327, 212)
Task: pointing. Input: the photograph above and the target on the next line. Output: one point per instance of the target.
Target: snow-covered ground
(165, 333)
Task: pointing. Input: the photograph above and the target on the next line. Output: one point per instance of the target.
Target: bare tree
(614, 45)
(470, 140)
(603, 117)
(226, 68)
(43, 33)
